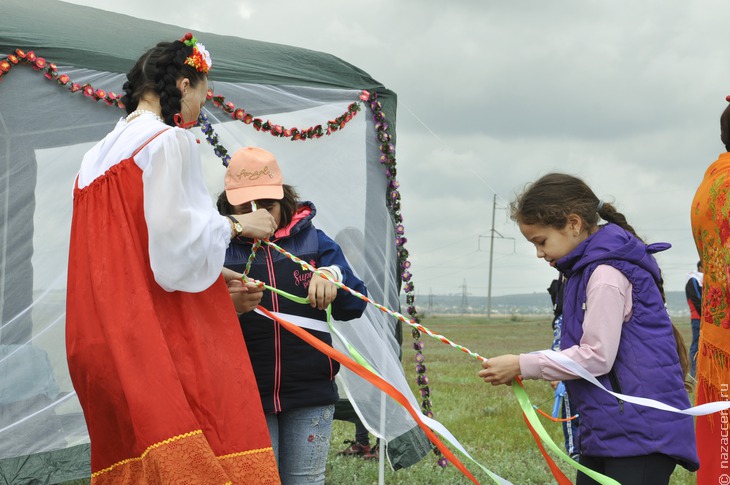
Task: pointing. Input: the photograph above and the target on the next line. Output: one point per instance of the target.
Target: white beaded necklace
(136, 113)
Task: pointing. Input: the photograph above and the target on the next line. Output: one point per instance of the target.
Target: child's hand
(321, 292)
(245, 296)
(500, 370)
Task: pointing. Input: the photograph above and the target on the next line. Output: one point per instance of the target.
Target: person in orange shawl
(154, 347)
(711, 230)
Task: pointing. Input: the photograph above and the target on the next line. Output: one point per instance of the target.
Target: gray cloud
(494, 94)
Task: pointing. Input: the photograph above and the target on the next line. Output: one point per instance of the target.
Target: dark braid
(169, 65)
(158, 71)
(140, 78)
(609, 213)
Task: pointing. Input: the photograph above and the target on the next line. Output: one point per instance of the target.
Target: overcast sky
(494, 94)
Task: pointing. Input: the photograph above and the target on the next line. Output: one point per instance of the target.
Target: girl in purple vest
(616, 326)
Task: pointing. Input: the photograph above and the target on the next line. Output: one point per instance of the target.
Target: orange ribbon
(375, 380)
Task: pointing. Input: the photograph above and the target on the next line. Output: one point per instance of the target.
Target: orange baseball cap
(253, 174)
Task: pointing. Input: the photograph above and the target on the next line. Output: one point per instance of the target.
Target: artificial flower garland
(387, 158)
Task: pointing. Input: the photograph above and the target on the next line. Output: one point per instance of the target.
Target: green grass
(486, 419)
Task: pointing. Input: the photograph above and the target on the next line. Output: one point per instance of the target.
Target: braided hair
(158, 71)
(552, 198)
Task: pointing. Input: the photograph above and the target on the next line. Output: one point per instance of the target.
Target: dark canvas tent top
(86, 37)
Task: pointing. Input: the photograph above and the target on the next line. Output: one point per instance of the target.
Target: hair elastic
(600, 205)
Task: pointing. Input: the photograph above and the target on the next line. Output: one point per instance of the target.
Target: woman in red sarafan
(154, 347)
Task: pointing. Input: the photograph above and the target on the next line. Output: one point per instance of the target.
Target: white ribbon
(574, 368)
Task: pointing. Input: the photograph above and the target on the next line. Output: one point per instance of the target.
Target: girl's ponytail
(609, 214)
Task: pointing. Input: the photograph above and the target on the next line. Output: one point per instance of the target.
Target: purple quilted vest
(647, 364)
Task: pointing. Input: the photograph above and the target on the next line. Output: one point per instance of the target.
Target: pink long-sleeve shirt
(608, 306)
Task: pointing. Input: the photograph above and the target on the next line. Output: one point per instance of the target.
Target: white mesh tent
(45, 128)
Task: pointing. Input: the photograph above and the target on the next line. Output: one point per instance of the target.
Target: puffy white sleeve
(187, 236)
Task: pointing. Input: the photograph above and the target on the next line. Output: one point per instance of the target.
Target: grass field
(486, 419)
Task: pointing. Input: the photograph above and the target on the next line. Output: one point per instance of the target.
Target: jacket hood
(302, 217)
(612, 242)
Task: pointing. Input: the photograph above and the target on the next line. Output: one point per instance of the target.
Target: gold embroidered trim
(248, 452)
(145, 452)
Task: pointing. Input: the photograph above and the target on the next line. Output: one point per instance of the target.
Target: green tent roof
(85, 37)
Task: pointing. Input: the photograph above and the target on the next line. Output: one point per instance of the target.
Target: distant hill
(518, 304)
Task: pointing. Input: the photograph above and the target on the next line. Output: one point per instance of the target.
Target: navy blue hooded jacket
(289, 372)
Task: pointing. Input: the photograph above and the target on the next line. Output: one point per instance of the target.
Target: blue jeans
(693, 346)
(301, 442)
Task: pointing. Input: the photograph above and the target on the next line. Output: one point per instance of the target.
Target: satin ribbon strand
(359, 359)
(374, 379)
(380, 307)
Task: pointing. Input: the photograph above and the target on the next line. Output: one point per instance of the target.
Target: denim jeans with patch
(301, 442)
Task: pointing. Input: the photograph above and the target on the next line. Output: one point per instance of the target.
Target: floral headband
(200, 58)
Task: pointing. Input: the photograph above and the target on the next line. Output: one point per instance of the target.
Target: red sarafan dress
(163, 377)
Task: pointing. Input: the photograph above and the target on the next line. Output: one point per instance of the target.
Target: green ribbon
(357, 357)
(534, 421)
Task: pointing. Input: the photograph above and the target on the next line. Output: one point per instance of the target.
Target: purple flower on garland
(418, 345)
(419, 357)
(443, 462)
